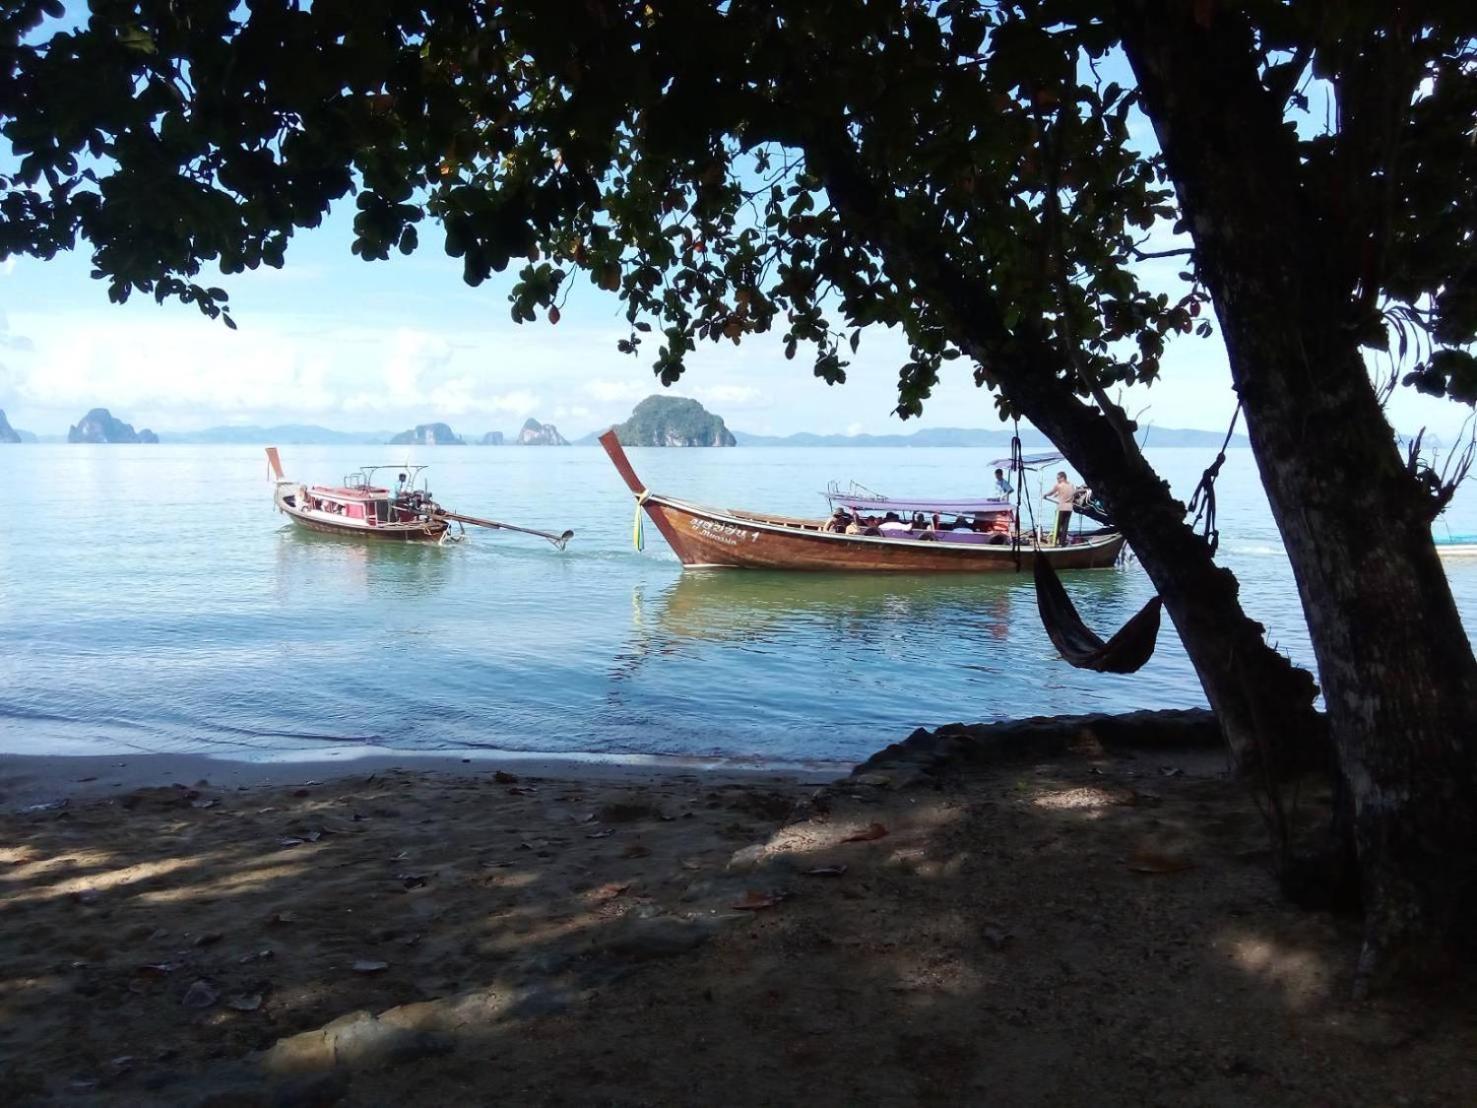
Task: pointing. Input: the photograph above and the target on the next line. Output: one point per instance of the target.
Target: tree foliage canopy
(686, 156)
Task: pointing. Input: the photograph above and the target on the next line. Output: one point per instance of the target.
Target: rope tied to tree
(1202, 500)
(1018, 470)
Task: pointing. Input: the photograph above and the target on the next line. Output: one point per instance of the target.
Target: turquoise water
(152, 600)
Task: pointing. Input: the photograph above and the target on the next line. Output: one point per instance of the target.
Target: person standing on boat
(1063, 492)
(1002, 486)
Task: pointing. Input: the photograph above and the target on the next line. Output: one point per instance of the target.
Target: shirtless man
(1063, 492)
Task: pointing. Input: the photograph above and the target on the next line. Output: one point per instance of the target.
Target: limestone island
(492, 438)
(535, 433)
(99, 425)
(7, 432)
(428, 434)
(673, 421)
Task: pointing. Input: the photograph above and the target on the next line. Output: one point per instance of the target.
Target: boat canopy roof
(871, 504)
(345, 492)
(1028, 461)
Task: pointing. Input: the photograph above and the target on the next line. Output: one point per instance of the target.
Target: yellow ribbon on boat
(637, 536)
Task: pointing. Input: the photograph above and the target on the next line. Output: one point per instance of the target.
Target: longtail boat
(1457, 546)
(707, 537)
(359, 508)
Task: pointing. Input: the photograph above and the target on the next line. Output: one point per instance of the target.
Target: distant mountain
(492, 438)
(535, 433)
(99, 425)
(7, 432)
(996, 440)
(428, 434)
(287, 434)
(673, 421)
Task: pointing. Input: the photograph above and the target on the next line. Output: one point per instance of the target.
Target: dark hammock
(1125, 652)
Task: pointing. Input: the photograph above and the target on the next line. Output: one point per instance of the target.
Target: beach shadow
(1094, 928)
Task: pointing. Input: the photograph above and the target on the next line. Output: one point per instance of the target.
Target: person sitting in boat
(1003, 487)
(836, 525)
(1064, 493)
(919, 523)
(961, 524)
(854, 526)
(891, 524)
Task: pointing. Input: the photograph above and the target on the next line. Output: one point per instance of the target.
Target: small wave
(16, 711)
(255, 733)
(1256, 550)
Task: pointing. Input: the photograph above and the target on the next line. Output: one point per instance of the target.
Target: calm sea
(151, 599)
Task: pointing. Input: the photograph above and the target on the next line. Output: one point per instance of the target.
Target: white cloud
(732, 396)
(610, 391)
(179, 372)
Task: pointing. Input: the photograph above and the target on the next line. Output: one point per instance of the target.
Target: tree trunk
(1397, 670)
(1264, 704)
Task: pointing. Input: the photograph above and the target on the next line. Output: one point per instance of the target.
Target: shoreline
(37, 782)
(34, 781)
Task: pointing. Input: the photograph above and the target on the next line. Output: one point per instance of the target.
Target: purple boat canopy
(873, 505)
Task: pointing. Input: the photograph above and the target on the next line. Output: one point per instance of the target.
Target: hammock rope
(1202, 500)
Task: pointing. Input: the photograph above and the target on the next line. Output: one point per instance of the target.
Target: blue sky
(382, 345)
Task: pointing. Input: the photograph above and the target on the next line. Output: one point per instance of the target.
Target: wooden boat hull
(427, 531)
(705, 537)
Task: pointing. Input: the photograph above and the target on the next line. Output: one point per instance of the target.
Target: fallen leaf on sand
(867, 834)
(503, 777)
(997, 937)
(209, 938)
(245, 1003)
(289, 841)
(200, 995)
(601, 834)
(755, 901)
(1151, 861)
(608, 892)
(157, 969)
(365, 965)
(412, 880)
(522, 790)
(635, 850)
(255, 956)
(826, 871)
(283, 918)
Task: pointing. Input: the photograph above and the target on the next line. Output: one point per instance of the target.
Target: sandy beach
(1096, 926)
